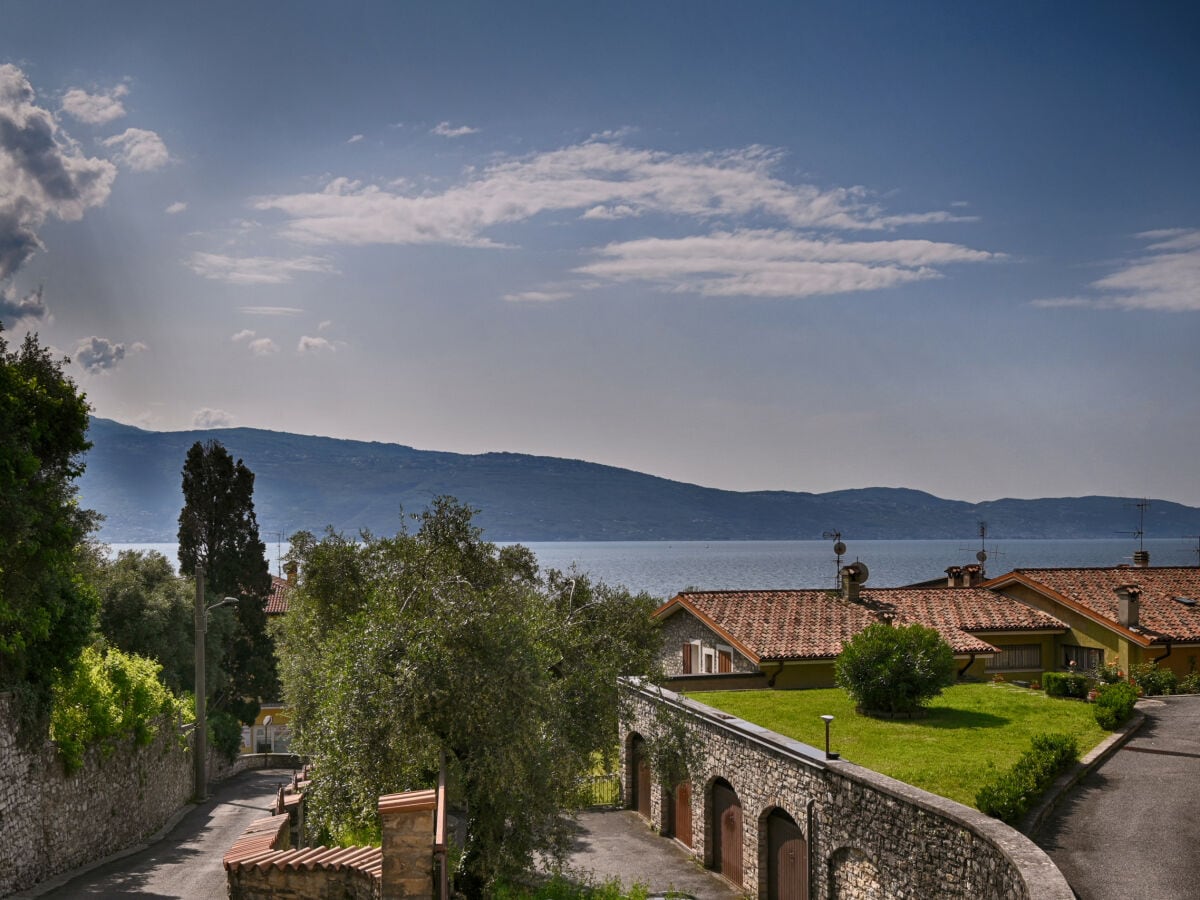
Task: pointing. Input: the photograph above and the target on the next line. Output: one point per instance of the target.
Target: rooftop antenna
(1140, 556)
(839, 550)
(278, 552)
(982, 554)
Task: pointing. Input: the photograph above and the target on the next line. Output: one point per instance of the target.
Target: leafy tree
(895, 669)
(145, 608)
(218, 530)
(46, 608)
(396, 650)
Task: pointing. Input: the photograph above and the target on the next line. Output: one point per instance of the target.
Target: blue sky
(804, 246)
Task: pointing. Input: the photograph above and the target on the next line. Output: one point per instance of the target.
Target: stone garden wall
(868, 836)
(52, 822)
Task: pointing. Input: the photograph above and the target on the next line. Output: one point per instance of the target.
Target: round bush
(894, 670)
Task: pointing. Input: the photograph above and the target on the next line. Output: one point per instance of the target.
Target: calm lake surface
(663, 568)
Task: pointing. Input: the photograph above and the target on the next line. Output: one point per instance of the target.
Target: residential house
(1122, 614)
(270, 731)
(790, 638)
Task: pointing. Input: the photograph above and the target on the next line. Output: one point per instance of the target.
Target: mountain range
(133, 478)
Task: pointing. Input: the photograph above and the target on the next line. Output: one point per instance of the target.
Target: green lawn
(971, 731)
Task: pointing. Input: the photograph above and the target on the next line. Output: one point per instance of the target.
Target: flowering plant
(1108, 673)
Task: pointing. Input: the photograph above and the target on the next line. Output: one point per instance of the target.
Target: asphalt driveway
(186, 863)
(1131, 827)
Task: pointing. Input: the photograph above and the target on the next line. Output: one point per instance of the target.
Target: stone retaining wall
(52, 822)
(868, 836)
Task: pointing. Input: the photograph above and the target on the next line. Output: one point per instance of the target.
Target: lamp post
(200, 741)
(828, 755)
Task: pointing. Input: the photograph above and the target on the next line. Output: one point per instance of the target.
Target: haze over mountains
(304, 482)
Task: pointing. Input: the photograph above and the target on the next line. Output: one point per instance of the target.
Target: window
(709, 661)
(1017, 656)
(1085, 658)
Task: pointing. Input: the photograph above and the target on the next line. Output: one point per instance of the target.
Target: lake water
(663, 568)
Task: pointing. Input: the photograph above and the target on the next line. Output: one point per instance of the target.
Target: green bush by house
(893, 670)
(1153, 680)
(1114, 704)
(1066, 684)
(1011, 794)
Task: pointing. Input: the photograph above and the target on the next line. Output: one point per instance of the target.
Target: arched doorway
(727, 831)
(787, 858)
(639, 776)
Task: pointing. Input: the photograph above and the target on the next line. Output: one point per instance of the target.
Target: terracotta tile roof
(277, 600)
(814, 624)
(256, 847)
(1161, 616)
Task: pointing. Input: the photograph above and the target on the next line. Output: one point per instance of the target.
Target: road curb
(1037, 816)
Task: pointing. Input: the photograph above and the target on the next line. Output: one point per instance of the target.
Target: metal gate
(727, 832)
(787, 858)
(683, 814)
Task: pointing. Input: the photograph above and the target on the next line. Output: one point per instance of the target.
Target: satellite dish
(981, 556)
(839, 548)
(858, 572)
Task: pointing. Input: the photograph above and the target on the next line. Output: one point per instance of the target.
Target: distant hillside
(302, 482)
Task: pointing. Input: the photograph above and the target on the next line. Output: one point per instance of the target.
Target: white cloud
(97, 354)
(43, 174)
(255, 269)
(538, 296)
(354, 139)
(1166, 277)
(263, 347)
(314, 345)
(211, 418)
(99, 108)
(324, 324)
(776, 263)
(445, 129)
(175, 208)
(14, 308)
(244, 335)
(139, 149)
(270, 310)
(599, 179)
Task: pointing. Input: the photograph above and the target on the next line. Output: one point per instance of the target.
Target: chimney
(1127, 604)
(1141, 558)
(850, 585)
(292, 570)
(972, 575)
(953, 576)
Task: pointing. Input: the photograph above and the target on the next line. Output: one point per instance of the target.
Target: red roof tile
(815, 624)
(277, 600)
(1161, 616)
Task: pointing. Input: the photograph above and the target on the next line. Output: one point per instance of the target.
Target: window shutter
(724, 661)
(687, 659)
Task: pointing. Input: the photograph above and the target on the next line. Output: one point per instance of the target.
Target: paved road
(1131, 828)
(619, 844)
(186, 864)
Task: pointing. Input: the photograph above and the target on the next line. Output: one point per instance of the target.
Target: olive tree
(893, 670)
(398, 650)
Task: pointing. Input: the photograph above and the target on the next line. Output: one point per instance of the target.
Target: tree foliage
(396, 650)
(893, 670)
(147, 609)
(108, 695)
(46, 609)
(218, 530)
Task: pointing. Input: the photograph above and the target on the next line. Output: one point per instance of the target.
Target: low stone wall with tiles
(52, 822)
(869, 837)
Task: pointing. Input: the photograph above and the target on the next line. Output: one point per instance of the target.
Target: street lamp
(828, 755)
(200, 741)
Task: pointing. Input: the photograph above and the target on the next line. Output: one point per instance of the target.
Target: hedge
(1066, 684)
(1009, 795)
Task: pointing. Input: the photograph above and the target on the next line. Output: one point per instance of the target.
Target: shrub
(1066, 684)
(1114, 705)
(225, 733)
(1010, 794)
(1190, 683)
(108, 695)
(1153, 679)
(895, 670)
(1108, 673)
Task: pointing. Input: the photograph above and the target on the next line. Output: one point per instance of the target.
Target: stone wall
(254, 883)
(682, 627)
(52, 822)
(868, 836)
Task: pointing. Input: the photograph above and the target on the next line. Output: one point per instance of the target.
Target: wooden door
(727, 832)
(683, 814)
(787, 858)
(641, 776)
